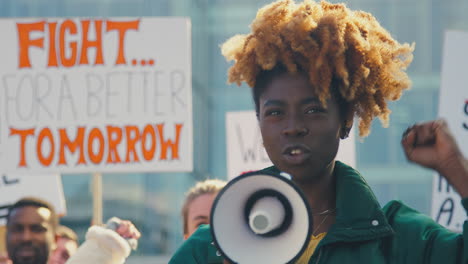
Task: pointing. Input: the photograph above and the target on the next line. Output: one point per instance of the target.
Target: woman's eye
(315, 110)
(273, 113)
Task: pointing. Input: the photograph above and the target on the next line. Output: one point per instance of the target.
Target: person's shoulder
(198, 248)
(416, 234)
(404, 218)
(202, 234)
(395, 210)
(395, 205)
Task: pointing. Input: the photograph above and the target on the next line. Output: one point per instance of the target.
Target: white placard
(87, 95)
(245, 151)
(16, 186)
(453, 107)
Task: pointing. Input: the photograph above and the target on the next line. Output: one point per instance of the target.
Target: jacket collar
(359, 216)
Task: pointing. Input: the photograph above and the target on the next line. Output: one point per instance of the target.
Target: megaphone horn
(261, 218)
(268, 213)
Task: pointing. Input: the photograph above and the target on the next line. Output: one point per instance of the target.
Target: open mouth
(26, 252)
(296, 154)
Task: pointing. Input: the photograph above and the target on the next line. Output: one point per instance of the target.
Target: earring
(345, 132)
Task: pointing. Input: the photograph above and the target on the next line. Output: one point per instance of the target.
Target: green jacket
(363, 232)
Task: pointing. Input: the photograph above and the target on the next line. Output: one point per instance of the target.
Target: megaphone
(261, 218)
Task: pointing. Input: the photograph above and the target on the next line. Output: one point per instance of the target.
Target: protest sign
(44, 186)
(447, 209)
(88, 95)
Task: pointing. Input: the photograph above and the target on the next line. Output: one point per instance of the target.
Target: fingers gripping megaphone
(261, 218)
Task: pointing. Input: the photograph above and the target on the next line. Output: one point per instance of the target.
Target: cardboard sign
(16, 186)
(86, 95)
(453, 107)
(245, 151)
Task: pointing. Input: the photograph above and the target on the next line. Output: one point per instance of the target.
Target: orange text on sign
(98, 146)
(59, 36)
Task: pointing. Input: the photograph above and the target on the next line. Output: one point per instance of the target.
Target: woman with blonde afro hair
(330, 43)
(313, 68)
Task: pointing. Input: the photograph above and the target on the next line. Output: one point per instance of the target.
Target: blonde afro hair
(330, 43)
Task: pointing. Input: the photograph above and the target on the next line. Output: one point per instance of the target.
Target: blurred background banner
(244, 145)
(453, 107)
(102, 94)
(15, 186)
(245, 151)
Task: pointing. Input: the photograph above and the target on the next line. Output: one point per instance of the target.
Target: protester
(31, 234)
(314, 67)
(66, 245)
(197, 204)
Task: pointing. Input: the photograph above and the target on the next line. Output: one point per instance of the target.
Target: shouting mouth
(296, 154)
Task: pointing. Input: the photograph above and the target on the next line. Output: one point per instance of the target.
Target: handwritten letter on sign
(81, 95)
(453, 107)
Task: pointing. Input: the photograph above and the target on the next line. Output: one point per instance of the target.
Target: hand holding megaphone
(261, 218)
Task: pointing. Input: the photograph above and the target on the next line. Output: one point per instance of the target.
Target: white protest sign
(87, 95)
(245, 151)
(16, 186)
(453, 107)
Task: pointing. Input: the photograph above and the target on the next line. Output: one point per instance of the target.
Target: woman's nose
(296, 127)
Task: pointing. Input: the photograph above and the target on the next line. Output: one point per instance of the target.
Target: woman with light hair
(66, 245)
(197, 204)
